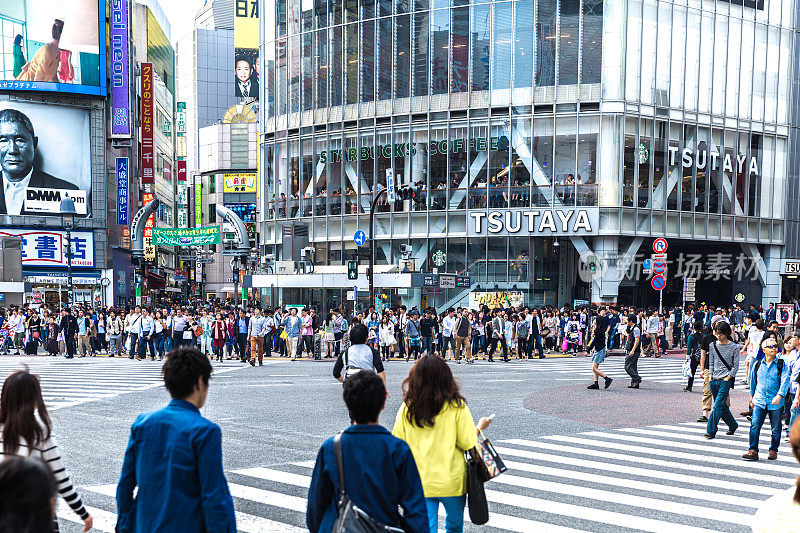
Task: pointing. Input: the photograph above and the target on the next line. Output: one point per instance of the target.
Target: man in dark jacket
(380, 473)
(69, 326)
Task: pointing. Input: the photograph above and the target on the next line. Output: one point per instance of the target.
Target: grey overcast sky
(181, 15)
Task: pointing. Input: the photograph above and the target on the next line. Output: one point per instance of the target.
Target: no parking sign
(784, 314)
(659, 282)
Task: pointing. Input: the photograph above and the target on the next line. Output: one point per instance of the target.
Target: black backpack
(780, 363)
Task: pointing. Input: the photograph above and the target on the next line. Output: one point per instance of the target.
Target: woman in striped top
(23, 433)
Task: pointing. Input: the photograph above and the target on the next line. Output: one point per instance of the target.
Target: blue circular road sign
(360, 237)
(659, 282)
(659, 267)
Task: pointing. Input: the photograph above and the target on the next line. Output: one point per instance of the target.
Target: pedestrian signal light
(352, 269)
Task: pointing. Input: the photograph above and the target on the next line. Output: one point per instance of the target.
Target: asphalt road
(608, 460)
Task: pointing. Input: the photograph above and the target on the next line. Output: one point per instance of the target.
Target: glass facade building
(538, 131)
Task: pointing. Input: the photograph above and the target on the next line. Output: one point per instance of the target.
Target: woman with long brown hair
(26, 431)
(437, 425)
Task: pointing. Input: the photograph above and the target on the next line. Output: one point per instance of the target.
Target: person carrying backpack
(366, 467)
(769, 382)
(723, 355)
(358, 356)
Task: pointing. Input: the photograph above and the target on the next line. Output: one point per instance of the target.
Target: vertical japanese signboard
(181, 170)
(198, 202)
(149, 249)
(180, 128)
(245, 43)
(122, 191)
(148, 157)
(120, 84)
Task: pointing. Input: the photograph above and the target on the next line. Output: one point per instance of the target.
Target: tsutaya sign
(533, 222)
(711, 160)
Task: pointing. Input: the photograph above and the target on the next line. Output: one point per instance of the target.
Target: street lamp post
(68, 213)
(371, 272)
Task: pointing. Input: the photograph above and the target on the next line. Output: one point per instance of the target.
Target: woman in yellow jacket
(437, 425)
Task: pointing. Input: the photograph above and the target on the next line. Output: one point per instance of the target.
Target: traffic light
(352, 269)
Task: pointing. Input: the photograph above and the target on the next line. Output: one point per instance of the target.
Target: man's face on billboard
(243, 71)
(17, 148)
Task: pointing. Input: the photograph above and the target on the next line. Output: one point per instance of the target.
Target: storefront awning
(61, 278)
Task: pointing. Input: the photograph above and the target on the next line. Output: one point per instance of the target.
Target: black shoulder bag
(351, 519)
(724, 362)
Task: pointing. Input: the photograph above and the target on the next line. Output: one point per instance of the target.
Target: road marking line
(627, 458)
(668, 453)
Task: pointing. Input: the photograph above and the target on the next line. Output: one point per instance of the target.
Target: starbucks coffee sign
(535, 222)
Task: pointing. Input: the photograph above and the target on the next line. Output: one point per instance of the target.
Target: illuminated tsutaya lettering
(538, 221)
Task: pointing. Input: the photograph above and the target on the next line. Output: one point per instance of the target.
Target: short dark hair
(17, 117)
(26, 489)
(723, 328)
(181, 370)
(358, 334)
(364, 395)
(632, 318)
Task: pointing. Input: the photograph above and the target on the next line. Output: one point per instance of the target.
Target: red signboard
(167, 171)
(147, 197)
(148, 154)
(181, 170)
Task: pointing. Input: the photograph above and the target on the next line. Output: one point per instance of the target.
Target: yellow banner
(240, 182)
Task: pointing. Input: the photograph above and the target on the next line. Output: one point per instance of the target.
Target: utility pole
(370, 270)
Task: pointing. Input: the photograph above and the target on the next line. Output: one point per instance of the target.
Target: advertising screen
(245, 42)
(53, 45)
(44, 159)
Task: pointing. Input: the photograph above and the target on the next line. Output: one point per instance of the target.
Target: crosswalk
(660, 478)
(661, 370)
(69, 382)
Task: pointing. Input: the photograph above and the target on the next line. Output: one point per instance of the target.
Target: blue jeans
(719, 391)
(759, 415)
(454, 517)
(427, 345)
(792, 419)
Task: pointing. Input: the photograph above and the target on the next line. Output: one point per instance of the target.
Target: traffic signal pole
(371, 268)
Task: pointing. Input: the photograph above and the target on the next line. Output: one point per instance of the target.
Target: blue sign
(179, 277)
(391, 194)
(659, 282)
(360, 237)
(122, 191)
(2, 297)
(647, 263)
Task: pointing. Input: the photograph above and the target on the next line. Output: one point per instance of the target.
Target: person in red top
(218, 332)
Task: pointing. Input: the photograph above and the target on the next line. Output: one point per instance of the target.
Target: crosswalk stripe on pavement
(70, 382)
(660, 478)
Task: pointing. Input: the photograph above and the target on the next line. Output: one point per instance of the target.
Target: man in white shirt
(15, 321)
(448, 339)
(256, 336)
(651, 328)
(132, 327)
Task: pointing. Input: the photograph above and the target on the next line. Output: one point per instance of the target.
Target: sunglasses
(770, 346)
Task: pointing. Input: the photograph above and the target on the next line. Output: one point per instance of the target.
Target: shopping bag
(686, 370)
(477, 504)
(490, 464)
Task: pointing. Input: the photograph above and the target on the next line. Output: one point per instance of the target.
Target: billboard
(48, 248)
(120, 82)
(149, 249)
(240, 182)
(44, 158)
(245, 42)
(148, 153)
(53, 46)
(186, 236)
(122, 191)
(198, 202)
(181, 171)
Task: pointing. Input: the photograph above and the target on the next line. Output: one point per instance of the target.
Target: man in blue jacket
(379, 470)
(174, 456)
(769, 381)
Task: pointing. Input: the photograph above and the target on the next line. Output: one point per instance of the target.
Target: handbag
(284, 335)
(477, 504)
(351, 518)
(187, 335)
(490, 464)
(686, 370)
